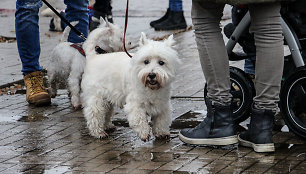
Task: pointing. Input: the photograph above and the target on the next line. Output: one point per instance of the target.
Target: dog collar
(99, 50)
(79, 47)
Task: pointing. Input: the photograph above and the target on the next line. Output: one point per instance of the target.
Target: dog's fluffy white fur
(67, 64)
(140, 84)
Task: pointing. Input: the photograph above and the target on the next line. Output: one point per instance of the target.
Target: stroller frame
(289, 35)
(299, 75)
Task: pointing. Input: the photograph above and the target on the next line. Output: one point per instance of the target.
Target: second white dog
(140, 84)
(67, 63)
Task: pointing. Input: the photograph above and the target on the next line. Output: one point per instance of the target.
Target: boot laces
(36, 85)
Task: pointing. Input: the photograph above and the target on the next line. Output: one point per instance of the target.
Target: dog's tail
(89, 45)
(67, 31)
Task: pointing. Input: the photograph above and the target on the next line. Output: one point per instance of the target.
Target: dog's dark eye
(161, 63)
(146, 62)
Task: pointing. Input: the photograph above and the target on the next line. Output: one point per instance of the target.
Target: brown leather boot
(36, 92)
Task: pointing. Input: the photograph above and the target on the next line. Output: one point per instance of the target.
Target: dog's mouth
(152, 82)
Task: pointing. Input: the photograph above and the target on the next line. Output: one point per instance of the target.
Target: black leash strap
(80, 34)
(125, 27)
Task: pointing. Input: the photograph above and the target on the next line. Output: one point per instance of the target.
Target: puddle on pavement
(163, 157)
(33, 118)
(59, 169)
(296, 150)
(188, 120)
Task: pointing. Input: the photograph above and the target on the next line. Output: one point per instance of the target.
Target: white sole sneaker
(257, 147)
(210, 141)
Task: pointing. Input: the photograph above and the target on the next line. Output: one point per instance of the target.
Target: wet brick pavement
(54, 139)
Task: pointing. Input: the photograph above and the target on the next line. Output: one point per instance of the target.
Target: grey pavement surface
(54, 139)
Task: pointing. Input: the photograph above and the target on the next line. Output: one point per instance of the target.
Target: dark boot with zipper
(216, 129)
(259, 133)
(153, 23)
(175, 21)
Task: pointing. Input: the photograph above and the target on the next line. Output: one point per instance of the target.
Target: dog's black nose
(152, 75)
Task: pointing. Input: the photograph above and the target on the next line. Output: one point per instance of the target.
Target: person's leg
(213, 56)
(175, 19)
(249, 66)
(101, 8)
(218, 127)
(77, 10)
(266, 26)
(27, 34)
(28, 43)
(176, 5)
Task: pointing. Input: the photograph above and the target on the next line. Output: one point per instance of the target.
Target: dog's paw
(52, 93)
(164, 136)
(99, 134)
(110, 128)
(143, 132)
(144, 135)
(76, 102)
(77, 106)
(145, 138)
(161, 133)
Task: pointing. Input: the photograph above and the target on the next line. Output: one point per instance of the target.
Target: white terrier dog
(68, 63)
(140, 84)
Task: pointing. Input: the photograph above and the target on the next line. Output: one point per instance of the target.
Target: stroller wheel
(242, 89)
(293, 102)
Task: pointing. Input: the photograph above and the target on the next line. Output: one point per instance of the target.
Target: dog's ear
(110, 26)
(143, 39)
(102, 22)
(170, 41)
(107, 23)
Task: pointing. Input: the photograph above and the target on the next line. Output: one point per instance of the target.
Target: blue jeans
(27, 29)
(176, 5)
(249, 66)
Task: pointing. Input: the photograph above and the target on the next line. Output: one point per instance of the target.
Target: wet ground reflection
(33, 118)
(67, 147)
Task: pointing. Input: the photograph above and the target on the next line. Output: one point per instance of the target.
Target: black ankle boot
(259, 134)
(153, 23)
(216, 129)
(175, 21)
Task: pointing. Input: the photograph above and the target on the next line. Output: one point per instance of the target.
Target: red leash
(125, 26)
